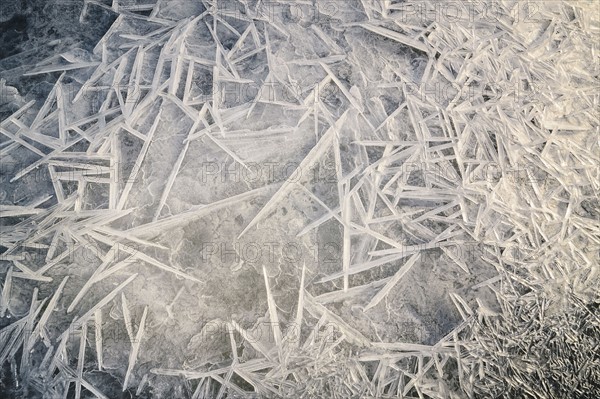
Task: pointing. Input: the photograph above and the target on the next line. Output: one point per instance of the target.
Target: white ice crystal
(419, 180)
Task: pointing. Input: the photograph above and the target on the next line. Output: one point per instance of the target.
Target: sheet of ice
(240, 198)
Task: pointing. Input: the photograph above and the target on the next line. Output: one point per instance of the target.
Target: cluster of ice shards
(306, 199)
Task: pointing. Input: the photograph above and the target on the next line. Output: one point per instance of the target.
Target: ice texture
(299, 199)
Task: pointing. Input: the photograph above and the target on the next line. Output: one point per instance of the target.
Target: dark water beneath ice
(33, 31)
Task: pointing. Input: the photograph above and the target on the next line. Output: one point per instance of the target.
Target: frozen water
(241, 198)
